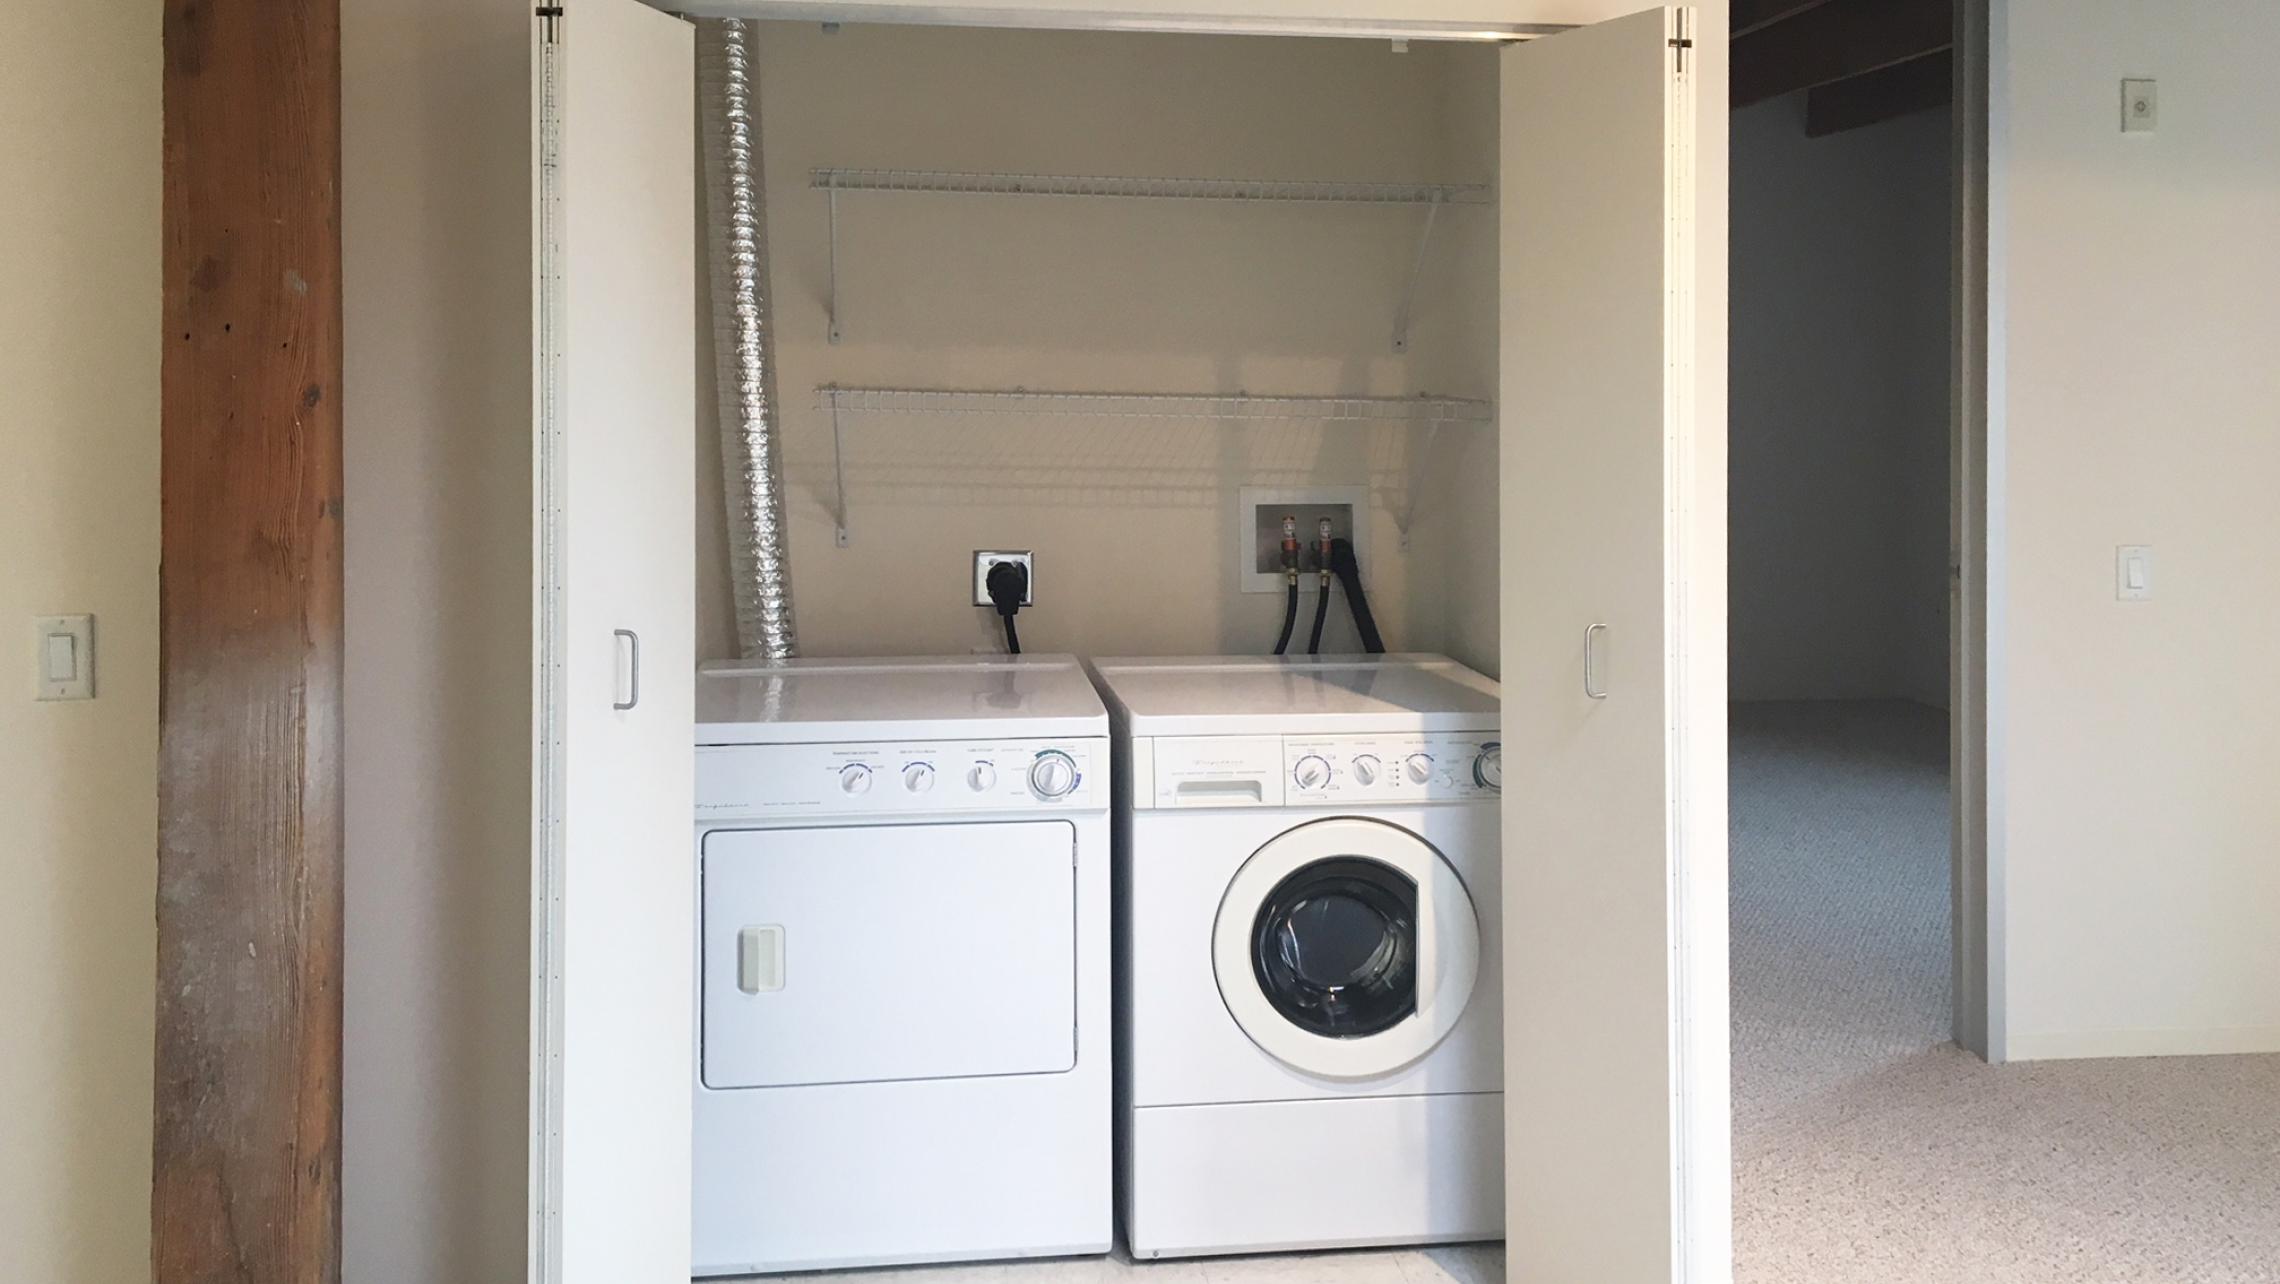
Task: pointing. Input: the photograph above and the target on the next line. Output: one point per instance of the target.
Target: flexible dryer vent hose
(744, 337)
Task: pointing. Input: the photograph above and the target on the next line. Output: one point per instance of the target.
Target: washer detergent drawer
(875, 953)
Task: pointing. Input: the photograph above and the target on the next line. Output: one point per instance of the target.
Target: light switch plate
(2133, 573)
(63, 657)
(2141, 106)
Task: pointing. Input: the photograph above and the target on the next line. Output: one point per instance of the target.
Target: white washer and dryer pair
(903, 975)
(1309, 1024)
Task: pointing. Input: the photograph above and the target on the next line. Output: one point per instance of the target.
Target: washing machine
(1308, 984)
(903, 1011)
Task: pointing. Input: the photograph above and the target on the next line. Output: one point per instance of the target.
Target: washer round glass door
(1346, 948)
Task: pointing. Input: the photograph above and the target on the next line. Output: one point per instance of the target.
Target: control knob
(918, 777)
(1053, 774)
(1311, 772)
(854, 778)
(1488, 767)
(1367, 768)
(981, 777)
(1418, 767)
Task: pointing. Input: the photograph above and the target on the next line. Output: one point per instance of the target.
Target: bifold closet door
(1612, 410)
(614, 881)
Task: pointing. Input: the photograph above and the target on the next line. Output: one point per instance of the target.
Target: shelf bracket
(1422, 460)
(1416, 274)
(831, 315)
(838, 473)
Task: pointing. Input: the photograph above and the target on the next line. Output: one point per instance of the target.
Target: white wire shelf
(1152, 405)
(1185, 189)
(1432, 196)
(1427, 409)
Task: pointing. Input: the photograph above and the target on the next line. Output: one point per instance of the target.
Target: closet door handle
(1594, 680)
(633, 670)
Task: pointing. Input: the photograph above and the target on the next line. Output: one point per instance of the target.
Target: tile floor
(1453, 1264)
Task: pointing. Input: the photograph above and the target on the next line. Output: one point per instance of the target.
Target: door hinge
(1682, 42)
(550, 21)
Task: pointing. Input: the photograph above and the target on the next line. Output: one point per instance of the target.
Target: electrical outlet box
(1259, 513)
(984, 560)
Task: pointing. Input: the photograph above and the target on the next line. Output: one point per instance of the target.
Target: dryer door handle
(760, 959)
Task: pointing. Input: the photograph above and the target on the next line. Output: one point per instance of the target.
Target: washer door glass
(1346, 948)
(1335, 947)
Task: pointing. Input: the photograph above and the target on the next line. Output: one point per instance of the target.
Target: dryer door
(883, 952)
(1346, 948)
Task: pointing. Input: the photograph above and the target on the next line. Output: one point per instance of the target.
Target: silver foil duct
(744, 337)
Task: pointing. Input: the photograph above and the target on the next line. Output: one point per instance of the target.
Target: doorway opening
(1842, 660)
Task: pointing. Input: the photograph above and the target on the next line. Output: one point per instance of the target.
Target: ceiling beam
(1836, 41)
(246, 1128)
(1902, 89)
(1753, 15)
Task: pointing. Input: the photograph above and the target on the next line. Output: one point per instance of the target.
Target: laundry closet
(1104, 290)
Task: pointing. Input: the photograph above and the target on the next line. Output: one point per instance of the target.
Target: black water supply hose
(1349, 573)
(1290, 583)
(1008, 583)
(1321, 589)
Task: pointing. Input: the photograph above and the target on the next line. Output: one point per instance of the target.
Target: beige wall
(1457, 532)
(2142, 864)
(79, 335)
(1132, 520)
(436, 226)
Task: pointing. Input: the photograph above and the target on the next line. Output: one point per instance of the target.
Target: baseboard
(2078, 1045)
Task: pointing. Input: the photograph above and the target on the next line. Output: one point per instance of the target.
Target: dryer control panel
(883, 778)
(1316, 771)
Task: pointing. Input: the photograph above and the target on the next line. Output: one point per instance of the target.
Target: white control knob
(1053, 774)
(1418, 767)
(918, 777)
(1311, 772)
(854, 778)
(1488, 768)
(981, 777)
(1367, 768)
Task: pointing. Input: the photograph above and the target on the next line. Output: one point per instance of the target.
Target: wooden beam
(1837, 41)
(246, 1152)
(1917, 85)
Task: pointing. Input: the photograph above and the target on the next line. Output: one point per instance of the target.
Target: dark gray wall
(1839, 411)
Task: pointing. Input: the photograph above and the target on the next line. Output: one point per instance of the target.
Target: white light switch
(2133, 572)
(63, 657)
(2141, 107)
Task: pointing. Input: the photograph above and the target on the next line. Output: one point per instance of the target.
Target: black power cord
(1008, 583)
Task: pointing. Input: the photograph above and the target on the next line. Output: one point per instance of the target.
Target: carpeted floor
(1867, 1149)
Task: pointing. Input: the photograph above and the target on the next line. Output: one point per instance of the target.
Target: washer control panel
(1325, 770)
(889, 777)
(1404, 768)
